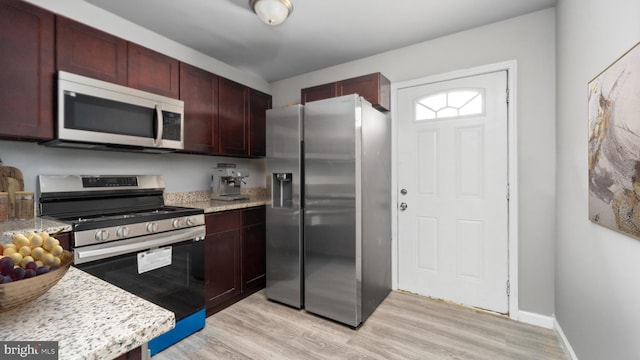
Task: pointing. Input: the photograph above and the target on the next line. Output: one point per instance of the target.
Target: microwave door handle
(157, 142)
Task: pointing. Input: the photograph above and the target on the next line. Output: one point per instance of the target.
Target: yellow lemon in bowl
(37, 253)
(48, 259)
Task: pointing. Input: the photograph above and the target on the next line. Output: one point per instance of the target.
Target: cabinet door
(233, 101)
(199, 91)
(253, 248)
(154, 72)
(222, 259)
(258, 105)
(319, 92)
(83, 50)
(65, 240)
(375, 88)
(26, 70)
(135, 354)
(253, 257)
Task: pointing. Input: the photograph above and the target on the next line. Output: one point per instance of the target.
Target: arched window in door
(454, 103)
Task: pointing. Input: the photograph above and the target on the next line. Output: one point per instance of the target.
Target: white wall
(530, 40)
(597, 270)
(182, 172)
(93, 16)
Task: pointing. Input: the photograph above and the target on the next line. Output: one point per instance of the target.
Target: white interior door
(453, 186)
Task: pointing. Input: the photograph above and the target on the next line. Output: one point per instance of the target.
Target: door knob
(403, 206)
(403, 191)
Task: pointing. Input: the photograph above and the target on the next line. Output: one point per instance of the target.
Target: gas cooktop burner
(142, 215)
(100, 228)
(80, 223)
(100, 218)
(110, 208)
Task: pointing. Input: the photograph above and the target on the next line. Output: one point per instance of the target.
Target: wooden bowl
(23, 291)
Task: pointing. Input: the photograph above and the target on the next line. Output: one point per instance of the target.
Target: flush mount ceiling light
(272, 12)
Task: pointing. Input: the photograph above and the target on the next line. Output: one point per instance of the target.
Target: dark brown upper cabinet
(153, 72)
(83, 50)
(375, 88)
(87, 51)
(199, 91)
(222, 117)
(26, 71)
(319, 92)
(259, 103)
(233, 118)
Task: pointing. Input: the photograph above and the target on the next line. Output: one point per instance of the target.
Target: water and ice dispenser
(282, 190)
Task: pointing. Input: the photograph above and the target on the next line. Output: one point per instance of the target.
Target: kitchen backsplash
(182, 172)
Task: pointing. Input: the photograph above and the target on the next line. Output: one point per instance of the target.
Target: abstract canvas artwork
(614, 145)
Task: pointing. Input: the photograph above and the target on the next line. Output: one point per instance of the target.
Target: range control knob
(152, 227)
(102, 235)
(191, 221)
(122, 231)
(177, 223)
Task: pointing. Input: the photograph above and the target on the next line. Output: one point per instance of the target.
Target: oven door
(166, 269)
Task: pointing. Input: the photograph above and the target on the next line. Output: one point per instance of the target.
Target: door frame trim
(512, 152)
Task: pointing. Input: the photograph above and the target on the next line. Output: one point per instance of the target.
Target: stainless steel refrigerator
(284, 241)
(345, 254)
(347, 221)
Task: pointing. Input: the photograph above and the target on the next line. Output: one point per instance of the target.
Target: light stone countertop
(37, 224)
(201, 200)
(90, 319)
(212, 206)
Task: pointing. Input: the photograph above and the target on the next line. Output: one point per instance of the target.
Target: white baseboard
(564, 342)
(536, 319)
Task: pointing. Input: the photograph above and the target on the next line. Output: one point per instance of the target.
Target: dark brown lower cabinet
(65, 240)
(234, 256)
(135, 354)
(253, 249)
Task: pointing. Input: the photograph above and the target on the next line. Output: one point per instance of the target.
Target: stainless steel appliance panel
(98, 114)
(284, 241)
(332, 258)
(376, 209)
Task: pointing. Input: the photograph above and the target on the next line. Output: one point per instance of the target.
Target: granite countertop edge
(37, 224)
(104, 325)
(213, 206)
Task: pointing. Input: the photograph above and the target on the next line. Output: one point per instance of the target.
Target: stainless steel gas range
(123, 233)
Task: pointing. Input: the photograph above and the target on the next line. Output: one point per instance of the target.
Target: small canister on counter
(4, 206)
(24, 205)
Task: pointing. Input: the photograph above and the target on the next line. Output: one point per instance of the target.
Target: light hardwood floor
(404, 326)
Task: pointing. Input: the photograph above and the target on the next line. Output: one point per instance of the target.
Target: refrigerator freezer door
(284, 243)
(332, 254)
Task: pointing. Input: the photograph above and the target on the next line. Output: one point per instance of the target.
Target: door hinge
(508, 192)
(507, 93)
(508, 288)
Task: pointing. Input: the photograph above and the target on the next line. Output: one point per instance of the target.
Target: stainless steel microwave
(95, 114)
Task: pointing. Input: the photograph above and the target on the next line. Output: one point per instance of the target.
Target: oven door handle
(102, 251)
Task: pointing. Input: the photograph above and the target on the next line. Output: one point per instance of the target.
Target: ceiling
(318, 34)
